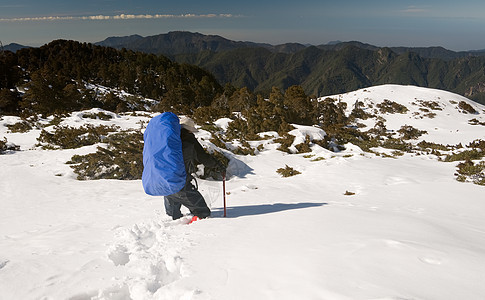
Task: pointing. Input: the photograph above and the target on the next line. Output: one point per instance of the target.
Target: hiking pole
(224, 191)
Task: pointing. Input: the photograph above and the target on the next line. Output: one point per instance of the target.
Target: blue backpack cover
(163, 161)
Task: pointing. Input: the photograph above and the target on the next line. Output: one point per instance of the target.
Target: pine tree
(299, 105)
(9, 101)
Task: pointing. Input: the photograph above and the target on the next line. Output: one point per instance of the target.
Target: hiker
(193, 154)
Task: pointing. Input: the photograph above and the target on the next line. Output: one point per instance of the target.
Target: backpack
(163, 161)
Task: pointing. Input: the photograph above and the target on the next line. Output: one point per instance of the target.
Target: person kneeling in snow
(193, 154)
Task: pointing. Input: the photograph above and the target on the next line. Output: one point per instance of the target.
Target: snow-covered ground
(410, 231)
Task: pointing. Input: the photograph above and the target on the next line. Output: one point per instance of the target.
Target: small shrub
(466, 108)
(397, 144)
(5, 146)
(217, 141)
(121, 159)
(243, 151)
(66, 137)
(379, 129)
(476, 122)
(210, 127)
(469, 171)
(305, 146)
(434, 105)
(385, 155)
(286, 141)
(365, 145)
(430, 115)
(478, 144)
(409, 132)
(20, 127)
(287, 171)
(208, 114)
(433, 146)
(391, 107)
(473, 154)
(397, 153)
(318, 158)
(101, 116)
(359, 113)
(56, 120)
(211, 172)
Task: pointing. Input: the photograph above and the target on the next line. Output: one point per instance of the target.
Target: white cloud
(414, 10)
(116, 17)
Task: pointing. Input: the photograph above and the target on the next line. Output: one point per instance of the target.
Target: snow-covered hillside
(352, 225)
(435, 111)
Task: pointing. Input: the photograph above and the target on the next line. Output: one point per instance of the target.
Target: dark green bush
(66, 137)
(121, 159)
(433, 146)
(244, 151)
(469, 171)
(472, 154)
(287, 171)
(391, 107)
(101, 116)
(476, 122)
(479, 144)
(21, 127)
(359, 113)
(217, 141)
(285, 142)
(409, 132)
(379, 129)
(466, 108)
(397, 144)
(305, 146)
(208, 114)
(434, 105)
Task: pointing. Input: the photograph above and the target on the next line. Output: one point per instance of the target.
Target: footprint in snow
(3, 263)
(149, 252)
(248, 187)
(119, 255)
(431, 260)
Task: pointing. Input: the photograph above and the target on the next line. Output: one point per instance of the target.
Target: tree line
(54, 78)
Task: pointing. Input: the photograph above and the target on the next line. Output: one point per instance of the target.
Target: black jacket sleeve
(202, 156)
(194, 153)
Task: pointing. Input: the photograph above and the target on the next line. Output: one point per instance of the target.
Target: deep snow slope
(408, 231)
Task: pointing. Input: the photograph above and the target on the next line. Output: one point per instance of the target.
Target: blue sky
(456, 25)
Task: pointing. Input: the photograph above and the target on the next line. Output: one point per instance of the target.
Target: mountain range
(183, 42)
(336, 67)
(321, 70)
(13, 47)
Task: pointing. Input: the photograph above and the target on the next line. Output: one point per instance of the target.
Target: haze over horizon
(454, 25)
